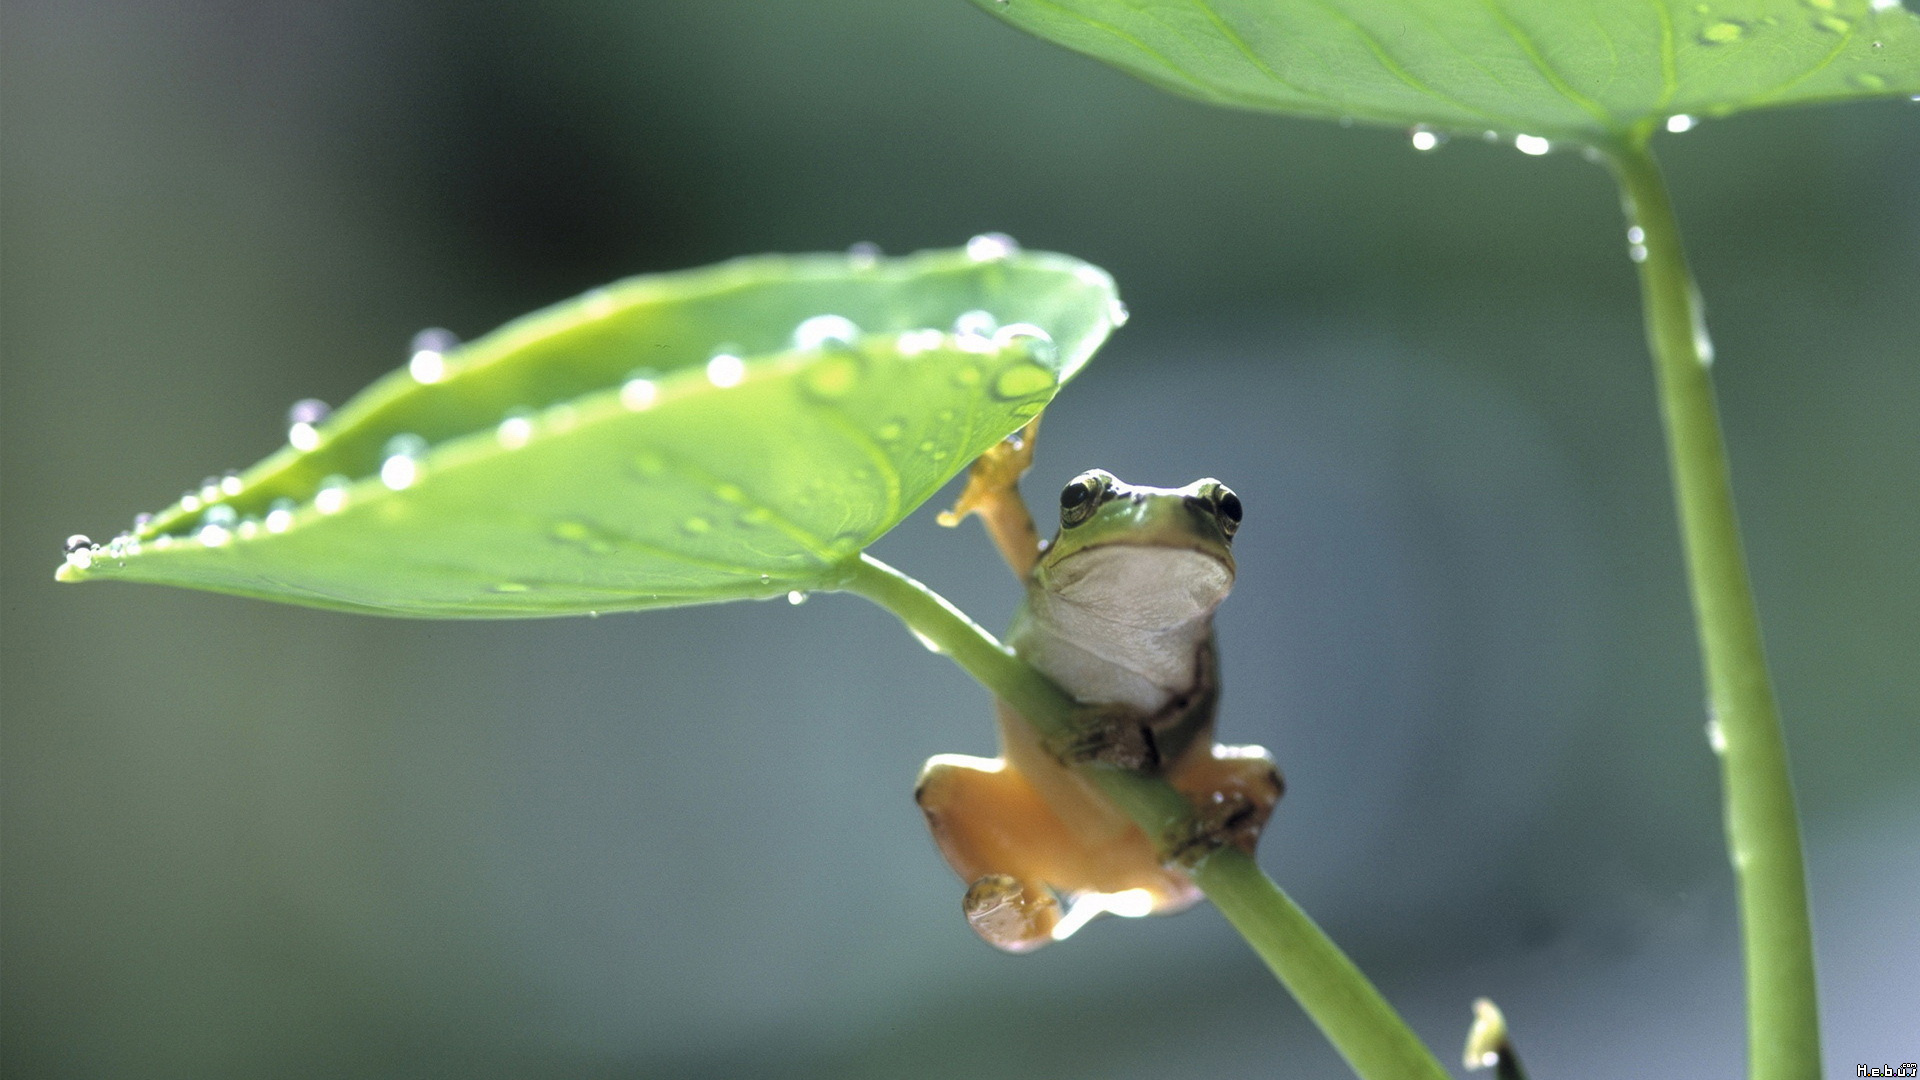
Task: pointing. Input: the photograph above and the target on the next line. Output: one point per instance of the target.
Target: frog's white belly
(1122, 623)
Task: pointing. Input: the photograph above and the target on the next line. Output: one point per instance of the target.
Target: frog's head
(1146, 556)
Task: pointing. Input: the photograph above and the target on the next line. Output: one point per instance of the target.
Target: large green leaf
(736, 431)
(1585, 70)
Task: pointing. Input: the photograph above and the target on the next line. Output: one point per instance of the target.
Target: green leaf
(742, 430)
(1592, 71)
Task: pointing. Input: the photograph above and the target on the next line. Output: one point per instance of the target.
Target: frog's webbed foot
(993, 492)
(1233, 790)
(1014, 851)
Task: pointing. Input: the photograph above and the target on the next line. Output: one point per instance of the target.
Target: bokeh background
(243, 840)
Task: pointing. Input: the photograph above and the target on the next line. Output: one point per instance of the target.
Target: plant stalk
(1359, 1023)
(1763, 828)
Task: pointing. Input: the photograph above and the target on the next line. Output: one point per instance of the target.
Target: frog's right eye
(1083, 495)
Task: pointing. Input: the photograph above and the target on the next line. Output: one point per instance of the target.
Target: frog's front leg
(993, 492)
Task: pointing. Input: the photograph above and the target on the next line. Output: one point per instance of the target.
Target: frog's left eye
(1226, 507)
(1083, 495)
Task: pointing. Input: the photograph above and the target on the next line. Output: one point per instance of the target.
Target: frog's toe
(1011, 915)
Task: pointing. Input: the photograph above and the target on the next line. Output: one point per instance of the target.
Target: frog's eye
(1083, 495)
(1226, 508)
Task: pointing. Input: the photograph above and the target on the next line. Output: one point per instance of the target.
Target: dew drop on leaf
(515, 431)
(638, 395)
(1724, 32)
(990, 246)
(1869, 81)
(833, 377)
(697, 525)
(822, 330)
(332, 496)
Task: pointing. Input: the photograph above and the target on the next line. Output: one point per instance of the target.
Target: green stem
(1763, 828)
(1352, 1014)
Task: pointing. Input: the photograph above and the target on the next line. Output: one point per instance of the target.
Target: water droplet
(966, 375)
(1716, 737)
(434, 339)
(1680, 122)
(1117, 313)
(915, 342)
(1425, 139)
(598, 303)
(1724, 32)
(1022, 380)
(510, 587)
(975, 323)
(162, 542)
(1637, 252)
(332, 496)
(400, 461)
(1036, 342)
(117, 547)
(1884, 5)
(726, 370)
(1833, 24)
(992, 245)
(833, 376)
(638, 395)
(142, 520)
(926, 446)
(888, 431)
(796, 598)
(308, 411)
(1869, 81)
(280, 516)
(864, 255)
(303, 421)
(515, 431)
(210, 490)
(729, 493)
(78, 542)
(1531, 145)
(231, 484)
(755, 516)
(189, 502)
(697, 525)
(213, 536)
(248, 529)
(80, 559)
(429, 361)
(221, 515)
(822, 331)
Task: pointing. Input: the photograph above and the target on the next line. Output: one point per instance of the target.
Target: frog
(1118, 611)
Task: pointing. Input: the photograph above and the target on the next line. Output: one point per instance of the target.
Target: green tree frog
(1119, 612)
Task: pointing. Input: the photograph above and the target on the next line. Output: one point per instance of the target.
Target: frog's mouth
(1150, 586)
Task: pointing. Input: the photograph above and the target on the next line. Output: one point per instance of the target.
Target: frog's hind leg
(993, 492)
(1014, 850)
(996, 833)
(1233, 790)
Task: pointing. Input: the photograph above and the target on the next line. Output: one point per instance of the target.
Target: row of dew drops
(401, 464)
(1825, 16)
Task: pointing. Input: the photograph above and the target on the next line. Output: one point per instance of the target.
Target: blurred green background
(243, 840)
